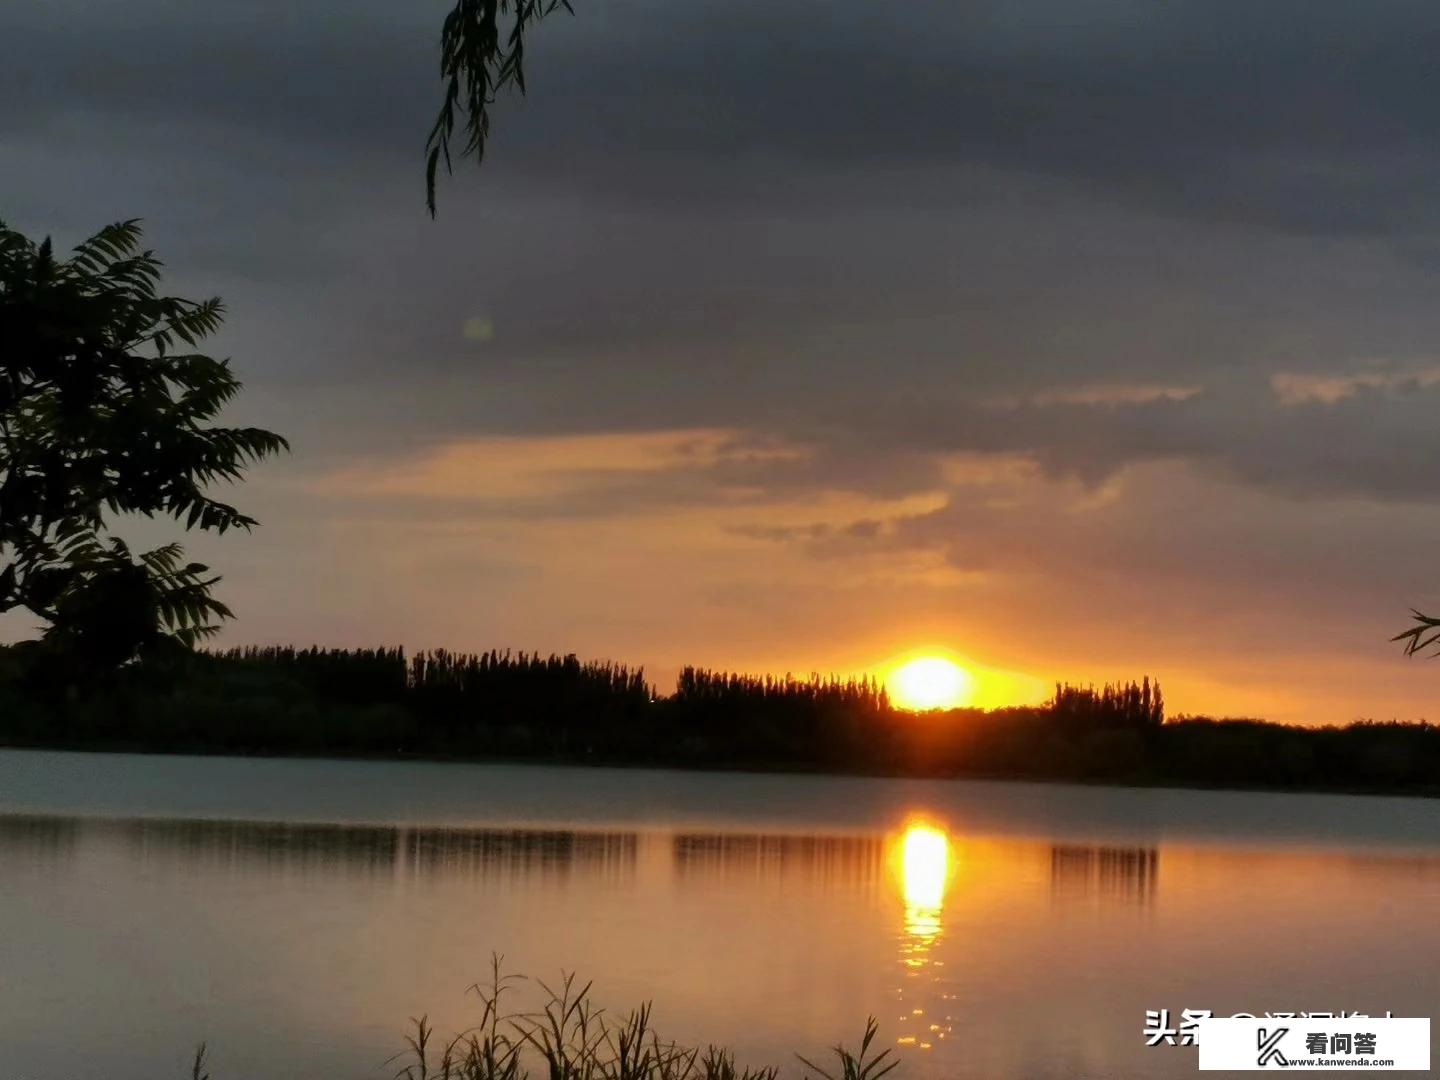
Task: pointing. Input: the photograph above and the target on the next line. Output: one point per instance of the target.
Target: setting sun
(930, 682)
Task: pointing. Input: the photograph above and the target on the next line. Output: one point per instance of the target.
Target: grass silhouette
(569, 1038)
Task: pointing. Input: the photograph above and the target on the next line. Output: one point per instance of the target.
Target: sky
(1078, 339)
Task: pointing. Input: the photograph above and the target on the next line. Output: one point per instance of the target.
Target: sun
(930, 682)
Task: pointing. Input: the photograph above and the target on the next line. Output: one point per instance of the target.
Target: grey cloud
(1302, 116)
(1315, 117)
(291, 71)
(1188, 539)
(1380, 443)
(827, 222)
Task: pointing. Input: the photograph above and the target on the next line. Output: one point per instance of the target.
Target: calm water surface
(295, 913)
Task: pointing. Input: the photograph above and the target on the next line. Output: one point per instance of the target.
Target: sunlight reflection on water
(304, 944)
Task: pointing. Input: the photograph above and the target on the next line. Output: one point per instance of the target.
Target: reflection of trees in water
(520, 852)
(363, 850)
(853, 860)
(1111, 873)
(391, 851)
(276, 847)
(27, 840)
(386, 850)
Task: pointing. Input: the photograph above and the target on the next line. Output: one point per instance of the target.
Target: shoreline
(737, 768)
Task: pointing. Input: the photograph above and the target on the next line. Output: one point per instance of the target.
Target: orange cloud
(524, 466)
(1295, 388)
(1098, 394)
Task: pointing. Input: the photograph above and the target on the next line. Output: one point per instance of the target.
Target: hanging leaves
(478, 59)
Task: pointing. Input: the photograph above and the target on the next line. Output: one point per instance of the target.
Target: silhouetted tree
(100, 417)
(1133, 705)
(561, 708)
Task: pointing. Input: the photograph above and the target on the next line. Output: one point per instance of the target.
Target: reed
(569, 1038)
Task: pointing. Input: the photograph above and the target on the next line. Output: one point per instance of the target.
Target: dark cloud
(1315, 117)
(303, 72)
(750, 213)
(1303, 116)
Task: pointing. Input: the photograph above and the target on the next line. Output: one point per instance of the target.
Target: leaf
(475, 66)
(122, 426)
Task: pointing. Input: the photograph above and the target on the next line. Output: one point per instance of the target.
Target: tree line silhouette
(1117, 704)
(528, 706)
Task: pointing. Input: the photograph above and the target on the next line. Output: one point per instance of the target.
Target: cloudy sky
(1082, 339)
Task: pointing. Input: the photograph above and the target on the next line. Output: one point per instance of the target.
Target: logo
(1269, 1044)
(1355, 1043)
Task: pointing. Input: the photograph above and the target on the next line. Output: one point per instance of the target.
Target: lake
(294, 914)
